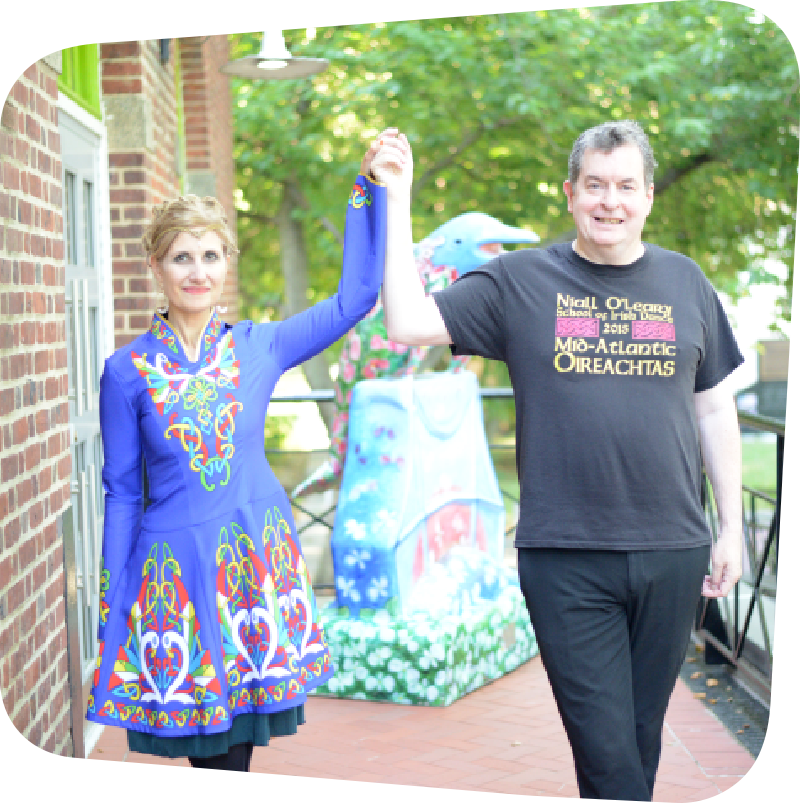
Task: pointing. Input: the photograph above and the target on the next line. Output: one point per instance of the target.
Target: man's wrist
(733, 534)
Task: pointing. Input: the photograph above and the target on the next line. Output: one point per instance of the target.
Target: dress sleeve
(309, 332)
(122, 483)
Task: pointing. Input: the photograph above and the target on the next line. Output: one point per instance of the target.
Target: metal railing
(738, 626)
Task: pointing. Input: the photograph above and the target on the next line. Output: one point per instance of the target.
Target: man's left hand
(726, 565)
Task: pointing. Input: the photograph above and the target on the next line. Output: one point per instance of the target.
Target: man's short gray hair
(606, 137)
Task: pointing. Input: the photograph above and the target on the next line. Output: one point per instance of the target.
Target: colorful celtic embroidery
(161, 329)
(254, 640)
(163, 660)
(164, 334)
(295, 595)
(207, 427)
(360, 196)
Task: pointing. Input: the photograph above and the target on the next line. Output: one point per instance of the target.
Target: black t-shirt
(604, 361)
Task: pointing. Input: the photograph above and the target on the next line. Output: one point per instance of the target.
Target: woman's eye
(211, 256)
(180, 257)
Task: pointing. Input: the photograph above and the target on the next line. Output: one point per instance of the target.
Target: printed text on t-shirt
(611, 330)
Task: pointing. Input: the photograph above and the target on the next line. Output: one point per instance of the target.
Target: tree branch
(469, 139)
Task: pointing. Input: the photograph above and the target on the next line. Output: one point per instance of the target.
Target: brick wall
(209, 135)
(34, 415)
(139, 92)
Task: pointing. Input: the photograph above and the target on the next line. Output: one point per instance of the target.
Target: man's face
(610, 204)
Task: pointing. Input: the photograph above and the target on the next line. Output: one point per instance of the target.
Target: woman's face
(192, 273)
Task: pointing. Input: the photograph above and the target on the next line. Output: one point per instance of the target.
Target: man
(616, 350)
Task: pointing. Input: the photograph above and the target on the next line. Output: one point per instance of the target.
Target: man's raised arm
(411, 317)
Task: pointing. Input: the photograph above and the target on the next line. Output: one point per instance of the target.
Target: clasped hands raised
(390, 162)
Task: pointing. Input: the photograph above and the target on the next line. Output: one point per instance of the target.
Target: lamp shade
(274, 62)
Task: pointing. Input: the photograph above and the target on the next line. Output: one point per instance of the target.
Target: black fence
(740, 626)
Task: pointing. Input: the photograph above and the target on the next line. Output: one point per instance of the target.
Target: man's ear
(568, 193)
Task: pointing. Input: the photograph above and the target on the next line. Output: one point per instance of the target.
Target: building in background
(91, 138)
(767, 395)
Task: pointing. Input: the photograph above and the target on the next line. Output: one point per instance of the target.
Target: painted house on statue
(90, 139)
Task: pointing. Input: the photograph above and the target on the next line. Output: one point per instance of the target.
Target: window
(80, 77)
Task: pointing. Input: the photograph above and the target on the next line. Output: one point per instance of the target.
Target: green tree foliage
(492, 105)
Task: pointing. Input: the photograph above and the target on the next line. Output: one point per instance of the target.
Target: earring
(163, 309)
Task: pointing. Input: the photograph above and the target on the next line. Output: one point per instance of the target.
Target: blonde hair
(188, 213)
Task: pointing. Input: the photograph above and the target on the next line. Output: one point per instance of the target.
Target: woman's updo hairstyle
(186, 213)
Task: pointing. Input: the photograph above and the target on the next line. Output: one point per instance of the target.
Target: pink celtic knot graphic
(577, 327)
(653, 330)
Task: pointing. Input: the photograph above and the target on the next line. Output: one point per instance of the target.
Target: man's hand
(388, 156)
(393, 164)
(726, 565)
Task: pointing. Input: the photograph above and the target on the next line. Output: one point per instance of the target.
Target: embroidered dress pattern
(254, 640)
(360, 196)
(202, 424)
(163, 661)
(295, 597)
(163, 333)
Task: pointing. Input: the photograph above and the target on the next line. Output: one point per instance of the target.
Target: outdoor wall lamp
(274, 62)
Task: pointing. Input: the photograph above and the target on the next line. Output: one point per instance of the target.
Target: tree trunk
(294, 264)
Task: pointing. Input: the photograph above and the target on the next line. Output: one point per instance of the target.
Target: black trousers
(612, 629)
(237, 759)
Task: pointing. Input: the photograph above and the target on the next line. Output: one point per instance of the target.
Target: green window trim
(80, 77)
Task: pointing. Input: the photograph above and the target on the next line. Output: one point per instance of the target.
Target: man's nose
(611, 197)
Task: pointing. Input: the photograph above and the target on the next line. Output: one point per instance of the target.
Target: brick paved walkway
(493, 740)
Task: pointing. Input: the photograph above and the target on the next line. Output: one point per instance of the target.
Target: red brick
(122, 68)
(32, 456)
(8, 569)
(9, 336)
(129, 268)
(11, 179)
(37, 303)
(36, 515)
(128, 196)
(50, 388)
(39, 576)
(16, 595)
(8, 468)
(45, 479)
(135, 177)
(17, 366)
(126, 160)
(122, 86)
(120, 50)
(42, 421)
(20, 430)
(16, 303)
(11, 533)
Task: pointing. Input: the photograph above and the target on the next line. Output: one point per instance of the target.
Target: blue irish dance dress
(207, 614)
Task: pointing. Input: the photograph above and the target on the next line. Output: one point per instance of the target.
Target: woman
(209, 638)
